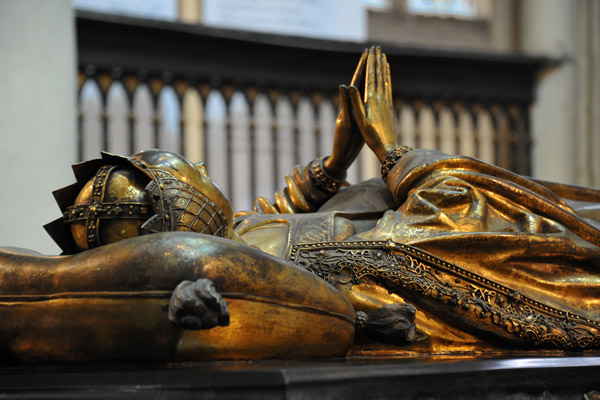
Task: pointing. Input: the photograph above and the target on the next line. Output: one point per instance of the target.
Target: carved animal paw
(197, 305)
(392, 324)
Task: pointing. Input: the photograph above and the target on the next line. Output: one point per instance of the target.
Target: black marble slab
(356, 378)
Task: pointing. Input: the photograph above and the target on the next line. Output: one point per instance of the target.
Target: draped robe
(538, 240)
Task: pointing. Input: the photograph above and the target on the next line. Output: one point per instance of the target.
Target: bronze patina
(442, 255)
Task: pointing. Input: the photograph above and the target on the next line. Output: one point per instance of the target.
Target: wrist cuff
(392, 159)
(321, 179)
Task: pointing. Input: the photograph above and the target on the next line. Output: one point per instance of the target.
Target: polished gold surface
(123, 188)
(188, 199)
(503, 230)
(492, 261)
(110, 303)
(152, 191)
(375, 116)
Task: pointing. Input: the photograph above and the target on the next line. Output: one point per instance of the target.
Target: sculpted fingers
(358, 73)
(358, 107)
(380, 74)
(370, 84)
(388, 81)
(347, 140)
(344, 102)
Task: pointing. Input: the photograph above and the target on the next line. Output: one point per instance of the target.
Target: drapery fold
(496, 224)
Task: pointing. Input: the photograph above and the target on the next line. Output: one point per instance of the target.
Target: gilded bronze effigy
(440, 255)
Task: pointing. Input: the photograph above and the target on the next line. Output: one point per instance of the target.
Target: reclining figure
(480, 258)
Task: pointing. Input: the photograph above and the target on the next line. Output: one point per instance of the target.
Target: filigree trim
(391, 160)
(491, 306)
(321, 179)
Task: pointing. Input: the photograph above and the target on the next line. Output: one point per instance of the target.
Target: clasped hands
(370, 121)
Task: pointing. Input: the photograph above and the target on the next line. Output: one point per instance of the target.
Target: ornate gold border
(483, 303)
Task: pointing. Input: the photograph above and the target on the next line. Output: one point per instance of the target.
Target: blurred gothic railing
(252, 105)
